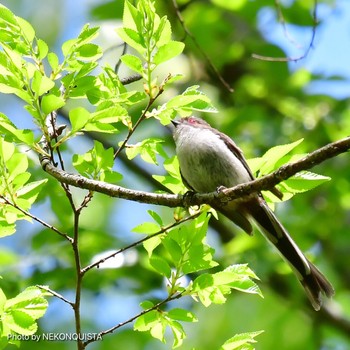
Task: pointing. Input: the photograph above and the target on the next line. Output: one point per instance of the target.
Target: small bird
(209, 160)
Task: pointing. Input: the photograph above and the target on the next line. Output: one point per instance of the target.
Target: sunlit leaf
(241, 341)
(133, 63)
(51, 102)
(168, 51)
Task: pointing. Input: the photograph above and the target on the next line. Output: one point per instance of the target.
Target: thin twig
(284, 25)
(116, 68)
(45, 224)
(131, 79)
(163, 230)
(57, 295)
(142, 117)
(79, 277)
(86, 200)
(305, 54)
(336, 319)
(121, 324)
(203, 53)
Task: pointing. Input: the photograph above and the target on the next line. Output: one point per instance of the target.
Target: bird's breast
(207, 163)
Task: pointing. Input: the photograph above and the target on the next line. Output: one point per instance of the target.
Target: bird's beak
(175, 123)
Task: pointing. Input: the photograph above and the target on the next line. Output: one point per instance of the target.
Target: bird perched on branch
(209, 160)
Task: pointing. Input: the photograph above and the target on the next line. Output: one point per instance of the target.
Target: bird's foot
(220, 189)
(188, 198)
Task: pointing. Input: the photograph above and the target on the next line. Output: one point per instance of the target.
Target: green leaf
(79, 117)
(148, 150)
(31, 300)
(6, 229)
(80, 86)
(7, 149)
(132, 38)
(51, 102)
(109, 114)
(97, 163)
(133, 62)
(53, 61)
(304, 181)
(103, 157)
(27, 30)
(241, 270)
(185, 245)
(207, 292)
(163, 32)
(88, 52)
(241, 341)
(14, 58)
(22, 311)
(7, 16)
(31, 191)
(132, 18)
(2, 301)
(146, 227)
(212, 288)
(16, 165)
(274, 154)
(87, 34)
(160, 265)
(147, 304)
(190, 100)
(174, 250)
(41, 84)
(178, 333)
(166, 115)
(20, 322)
(68, 46)
(168, 51)
(200, 257)
(156, 217)
(43, 49)
(175, 185)
(146, 321)
(110, 176)
(172, 181)
(158, 330)
(16, 135)
(182, 315)
(152, 243)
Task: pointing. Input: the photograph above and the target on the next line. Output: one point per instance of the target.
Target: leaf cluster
(19, 314)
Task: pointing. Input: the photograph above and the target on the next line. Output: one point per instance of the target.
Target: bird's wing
(239, 154)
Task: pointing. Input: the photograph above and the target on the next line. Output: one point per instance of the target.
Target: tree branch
(288, 170)
(337, 320)
(141, 119)
(163, 230)
(170, 200)
(35, 218)
(112, 329)
(203, 53)
(57, 295)
(292, 59)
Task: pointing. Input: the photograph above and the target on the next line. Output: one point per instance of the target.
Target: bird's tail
(313, 281)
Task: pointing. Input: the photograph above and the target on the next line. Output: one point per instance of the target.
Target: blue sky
(330, 55)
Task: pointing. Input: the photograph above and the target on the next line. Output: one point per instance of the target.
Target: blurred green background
(273, 103)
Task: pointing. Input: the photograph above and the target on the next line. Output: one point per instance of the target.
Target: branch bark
(267, 182)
